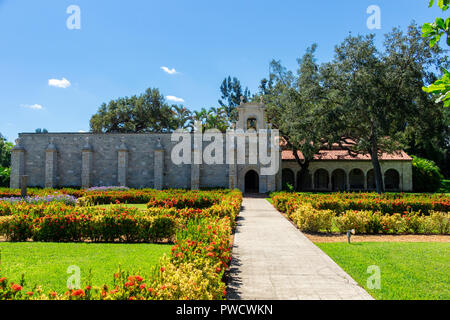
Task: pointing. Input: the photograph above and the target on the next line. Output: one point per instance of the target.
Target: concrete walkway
(273, 260)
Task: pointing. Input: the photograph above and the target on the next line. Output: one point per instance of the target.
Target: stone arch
(251, 181)
(287, 177)
(371, 184)
(391, 180)
(356, 179)
(304, 181)
(321, 179)
(251, 117)
(339, 180)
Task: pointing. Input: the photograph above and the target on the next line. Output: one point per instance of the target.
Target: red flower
(53, 294)
(16, 287)
(30, 293)
(78, 292)
(2, 280)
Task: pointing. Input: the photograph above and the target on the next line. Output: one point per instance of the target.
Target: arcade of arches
(339, 179)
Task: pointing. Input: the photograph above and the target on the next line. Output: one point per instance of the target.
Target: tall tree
(231, 93)
(292, 103)
(434, 31)
(182, 117)
(5, 152)
(148, 112)
(374, 96)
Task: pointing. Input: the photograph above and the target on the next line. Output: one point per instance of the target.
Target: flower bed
(62, 198)
(385, 203)
(194, 270)
(369, 214)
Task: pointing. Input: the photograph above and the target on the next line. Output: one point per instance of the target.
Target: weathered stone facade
(144, 161)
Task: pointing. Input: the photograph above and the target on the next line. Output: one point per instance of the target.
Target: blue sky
(122, 45)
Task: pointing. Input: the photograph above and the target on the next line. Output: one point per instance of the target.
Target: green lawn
(409, 271)
(46, 263)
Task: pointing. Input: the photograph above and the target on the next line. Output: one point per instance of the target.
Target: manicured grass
(409, 271)
(46, 264)
(141, 206)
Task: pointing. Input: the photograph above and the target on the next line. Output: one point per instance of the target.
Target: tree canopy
(148, 112)
(5, 152)
(434, 31)
(365, 100)
(231, 93)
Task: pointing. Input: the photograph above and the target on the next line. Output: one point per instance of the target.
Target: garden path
(273, 260)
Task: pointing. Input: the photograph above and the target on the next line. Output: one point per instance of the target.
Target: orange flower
(16, 287)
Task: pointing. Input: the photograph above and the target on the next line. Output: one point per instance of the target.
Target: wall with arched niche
(358, 175)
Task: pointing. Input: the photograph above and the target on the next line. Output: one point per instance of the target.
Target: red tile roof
(345, 155)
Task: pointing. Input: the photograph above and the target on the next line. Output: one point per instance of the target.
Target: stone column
(86, 165)
(122, 164)
(312, 180)
(17, 165)
(51, 163)
(330, 181)
(197, 160)
(347, 181)
(365, 180)
(231, 159)
(159, 166)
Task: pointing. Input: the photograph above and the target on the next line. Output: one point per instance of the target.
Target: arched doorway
(304, 181)
(287, 178)
(371, 184)
(356, 179)
(391, 180)
(338, 180)
(251, 182)
(321, 179)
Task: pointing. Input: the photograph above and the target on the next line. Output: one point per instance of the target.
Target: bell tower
(251, 116)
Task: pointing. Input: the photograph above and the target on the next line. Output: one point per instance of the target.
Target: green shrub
(426, 175)
(4, 176)
(353, 219)
(312, 220)
(440, 221)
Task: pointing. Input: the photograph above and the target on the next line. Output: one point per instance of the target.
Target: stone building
(144, 161)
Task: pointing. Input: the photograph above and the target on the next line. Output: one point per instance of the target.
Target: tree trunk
(376, 167)
(303, 169)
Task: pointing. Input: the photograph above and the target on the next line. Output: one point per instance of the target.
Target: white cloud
(63, 83)
(169, 71)
(81, 131)
(33, 106)
(174, 99)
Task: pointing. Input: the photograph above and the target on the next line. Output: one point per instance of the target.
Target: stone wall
(85, 160)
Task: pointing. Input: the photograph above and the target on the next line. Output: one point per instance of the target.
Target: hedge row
(118, 224)
(341, 202)
(309, 219)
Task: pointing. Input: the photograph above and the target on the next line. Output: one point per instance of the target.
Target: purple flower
(63, 198)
